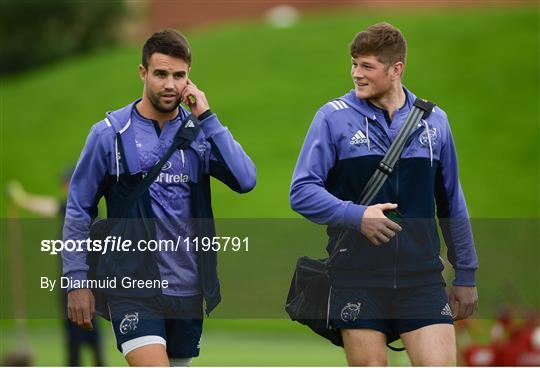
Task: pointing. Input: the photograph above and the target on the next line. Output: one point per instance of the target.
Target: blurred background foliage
(34, 33)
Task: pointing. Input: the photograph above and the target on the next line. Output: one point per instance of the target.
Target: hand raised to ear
(195, 99)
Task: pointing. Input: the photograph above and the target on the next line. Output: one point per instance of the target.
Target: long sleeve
(228, 161)
(308, 195)
(453, 216)
(84, 194)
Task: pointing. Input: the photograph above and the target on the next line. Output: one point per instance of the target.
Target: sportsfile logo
(358, 138)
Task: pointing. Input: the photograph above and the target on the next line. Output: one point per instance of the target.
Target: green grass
(224, 343)
(265, 84)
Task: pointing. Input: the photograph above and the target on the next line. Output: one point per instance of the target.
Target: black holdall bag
(308, 301)
(134, 222)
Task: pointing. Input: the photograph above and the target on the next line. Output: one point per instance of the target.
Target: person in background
(52, 207)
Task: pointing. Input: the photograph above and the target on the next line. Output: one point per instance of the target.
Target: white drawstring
(429, 141)
(367, 134)
(183, 159)
(117, 159)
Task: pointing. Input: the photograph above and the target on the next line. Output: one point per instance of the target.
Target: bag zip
(415, 133)
(381, 128)
(397, 234)
(328, 308)
(395, 262)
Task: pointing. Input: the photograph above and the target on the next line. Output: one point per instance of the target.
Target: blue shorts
(390, 311)
(174, 321)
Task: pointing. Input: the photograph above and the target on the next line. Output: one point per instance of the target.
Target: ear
(397, 70)
(142, 72)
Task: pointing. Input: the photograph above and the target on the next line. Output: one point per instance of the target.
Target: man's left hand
(195, 99)
(463, 301)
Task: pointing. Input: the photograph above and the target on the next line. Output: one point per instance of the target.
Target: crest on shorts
(129, 323)
(350, 312)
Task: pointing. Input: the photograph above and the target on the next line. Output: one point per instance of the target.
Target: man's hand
(463, 301)
(195, 99)
(376, 226)
(81, 308)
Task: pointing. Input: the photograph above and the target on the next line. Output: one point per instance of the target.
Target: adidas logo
(446, 311)
(189, 124)
(358, 138)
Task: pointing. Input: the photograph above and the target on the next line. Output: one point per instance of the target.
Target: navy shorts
(174, 321)
(390, 311)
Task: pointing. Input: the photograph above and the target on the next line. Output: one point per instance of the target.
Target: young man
(155, 327)
(386, 280)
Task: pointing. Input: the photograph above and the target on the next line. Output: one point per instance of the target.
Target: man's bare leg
(152, 355)
(433, 345)
(364, 347)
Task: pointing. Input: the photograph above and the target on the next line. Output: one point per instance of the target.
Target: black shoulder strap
(420, 110)
(185, 134)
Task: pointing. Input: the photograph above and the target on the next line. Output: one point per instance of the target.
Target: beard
(159, 106)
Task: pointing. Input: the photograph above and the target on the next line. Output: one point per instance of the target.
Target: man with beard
(162, 329)
(386, 278)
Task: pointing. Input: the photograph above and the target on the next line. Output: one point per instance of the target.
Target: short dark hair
(169, 42)
(381, 40)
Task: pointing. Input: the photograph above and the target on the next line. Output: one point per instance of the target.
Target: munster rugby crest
(129, 323)
(433, 137)
(350, 312)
